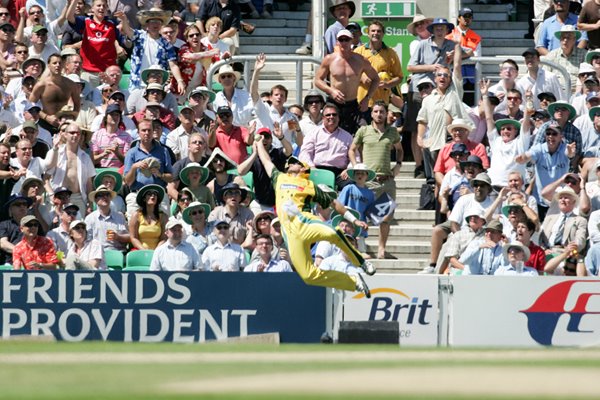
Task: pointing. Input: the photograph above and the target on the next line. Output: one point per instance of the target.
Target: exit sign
(388, 9)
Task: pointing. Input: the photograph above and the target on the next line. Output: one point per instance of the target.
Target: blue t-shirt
(548, 167)
(357, 198)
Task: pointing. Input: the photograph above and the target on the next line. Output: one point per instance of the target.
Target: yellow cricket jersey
(300, 190)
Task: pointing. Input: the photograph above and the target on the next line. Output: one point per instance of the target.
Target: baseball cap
(465, 11)
(112, 108)
(173, 222)
(531, 52)
(224, 110)
(27, 219)
(344, 33)
(264, 131)
(353, 27)
(39, 28)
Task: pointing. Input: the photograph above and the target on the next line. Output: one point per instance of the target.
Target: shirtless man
(54, 92)
(75, 169)
(344, 69)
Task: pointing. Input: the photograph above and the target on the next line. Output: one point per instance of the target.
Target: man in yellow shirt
(386, 63)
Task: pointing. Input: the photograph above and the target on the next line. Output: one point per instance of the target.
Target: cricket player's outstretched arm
(265, 159)
(342, 210)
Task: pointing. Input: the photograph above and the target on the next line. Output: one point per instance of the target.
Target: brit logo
(566, 314)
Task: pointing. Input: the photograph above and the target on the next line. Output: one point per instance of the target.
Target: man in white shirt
(175, 254)
(223, 255)
(537, 79)
(266, 263)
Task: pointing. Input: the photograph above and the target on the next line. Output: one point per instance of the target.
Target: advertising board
(154, 307)
(412, 300)
(524, 311)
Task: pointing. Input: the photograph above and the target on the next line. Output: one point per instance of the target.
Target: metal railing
(248, 61)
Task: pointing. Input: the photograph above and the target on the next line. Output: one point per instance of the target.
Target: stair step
(400, 266)
(490, 34)
(492, 16)
(404, 232)
(268, 49)
(500, 52)
(277, 23)
(420, 217)
(478, 26)
(396, 248)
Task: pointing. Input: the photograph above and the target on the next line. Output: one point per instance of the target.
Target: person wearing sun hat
(219, 165)
(567, 54)
(357, 196)
(515, 256)
(459, 130)
(34, 251)
(458, 241)
(239, 100)
(548, 38)
(195, 218)
(194, 177)
(231, 197)
(147, 224)
(111, 179)
(163, 54)
(198, 100)
(325, 249)
(562, 114)
(153, 74)
(107, 226)
(342, 11)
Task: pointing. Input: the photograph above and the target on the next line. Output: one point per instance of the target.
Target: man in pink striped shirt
(110, 143)
(326, 147)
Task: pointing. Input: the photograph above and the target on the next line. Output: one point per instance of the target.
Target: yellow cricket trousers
(304, 229)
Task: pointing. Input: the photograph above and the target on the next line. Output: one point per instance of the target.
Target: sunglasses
(227, 76)
(196, 213)
(344, 39)
(233, 193)
(330, 115)
(72, 213)
(193, 35)
(261, 219)
(8, 30)
(222, 227)
(32, 225)
(313, 101)
(4, 14)
(552, 133)
(185, 199)
(23, 52)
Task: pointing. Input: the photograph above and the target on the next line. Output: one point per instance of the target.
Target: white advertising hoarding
(524, 311)
(412, 300)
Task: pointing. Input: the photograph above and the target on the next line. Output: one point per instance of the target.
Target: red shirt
(445, 163)
(42, 251)
(98, 45)
(233, 144)
(537, 259)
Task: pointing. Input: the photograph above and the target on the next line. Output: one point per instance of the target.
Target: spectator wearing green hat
(507, 140)
(113, 181)
(195, 217)
(147, 225)
(194, 177)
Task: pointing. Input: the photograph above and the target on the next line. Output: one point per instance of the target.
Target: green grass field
(48, 370)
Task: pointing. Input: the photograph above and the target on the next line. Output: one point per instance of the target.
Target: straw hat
(416, 19)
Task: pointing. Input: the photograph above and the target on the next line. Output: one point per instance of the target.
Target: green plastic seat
(322, 176)
(124, 83)
(248, 177)
(139, 259)
(140, 268)
(115, 260)
(6, 267)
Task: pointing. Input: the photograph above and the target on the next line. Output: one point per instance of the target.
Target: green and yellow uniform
(293, 195)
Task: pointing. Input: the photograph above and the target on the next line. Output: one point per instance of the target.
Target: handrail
(248, 59)
(519, 59)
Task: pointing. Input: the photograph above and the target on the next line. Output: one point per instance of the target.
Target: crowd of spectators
(167, 164)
